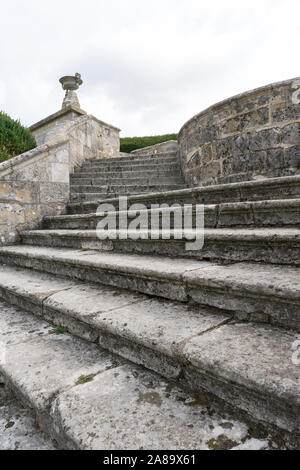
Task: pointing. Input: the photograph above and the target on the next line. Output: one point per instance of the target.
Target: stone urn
(70, 84)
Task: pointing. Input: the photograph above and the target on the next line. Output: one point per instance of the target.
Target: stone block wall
(91, 138)
(251, 136)
(88, 135)
(33, 185)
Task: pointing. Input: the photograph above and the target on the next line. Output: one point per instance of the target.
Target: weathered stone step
(118, 167)
(250, 291)
(71, 383)
(284, 212)
(155, 158)
(138, 181)
(19, 430)
(131, 156)
(150, 159)
(124, 189)
(108, 175)
(277, 246)
(269, 189)
(78, 198)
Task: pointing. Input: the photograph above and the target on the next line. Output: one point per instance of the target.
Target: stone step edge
(236, 288)
(99, 198)
(173, 165)
(259, 206)
(94, 179)
(127, 161)
(230, 245)
(196, 192)
(117, 345)
(134, 157)
(114, 182)
(269, 235)
(48, 407)
(118, 174)
(98, 188)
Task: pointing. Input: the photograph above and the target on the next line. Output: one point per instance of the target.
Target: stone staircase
(146, 333)
(101, 179)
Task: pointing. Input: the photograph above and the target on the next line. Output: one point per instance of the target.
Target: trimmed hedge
(128, 144)
(14, 138)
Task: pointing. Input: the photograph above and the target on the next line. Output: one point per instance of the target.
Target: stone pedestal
(54, 125)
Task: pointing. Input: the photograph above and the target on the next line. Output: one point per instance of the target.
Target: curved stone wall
(251, 136)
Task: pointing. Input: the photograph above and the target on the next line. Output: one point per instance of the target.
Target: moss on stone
(59, 330)
(83, 379)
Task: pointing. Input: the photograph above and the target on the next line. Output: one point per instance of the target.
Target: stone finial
(70, 84)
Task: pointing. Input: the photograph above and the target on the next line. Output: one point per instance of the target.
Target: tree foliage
(128, 144)
(14, 138)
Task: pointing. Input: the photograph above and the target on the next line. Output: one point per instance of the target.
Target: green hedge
(14, 138)
(128, 144)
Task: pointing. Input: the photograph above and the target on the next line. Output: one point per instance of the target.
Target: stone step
(118, 167)
(268, 189)
(124, 189)
(78, 198)
(285, 212)
(19, 430)
(132, 156)
(156, 158)
(269, 293)
(71, 383)
(120, 181)
(125, 174)
(276, 246)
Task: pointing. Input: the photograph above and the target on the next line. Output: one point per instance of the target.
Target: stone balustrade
(36, 184)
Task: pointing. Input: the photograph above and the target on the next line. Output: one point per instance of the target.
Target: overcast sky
(147, 66)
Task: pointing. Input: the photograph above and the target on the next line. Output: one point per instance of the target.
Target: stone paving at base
(216, 430)
(18, 429)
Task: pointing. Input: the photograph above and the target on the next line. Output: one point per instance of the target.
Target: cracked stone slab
(76, 307)
(270, 290)
(256, 358)
(152, 333)
(147, 331)
(86, 301)
(56, 299)
(40, 367)
(87, 399)
(147, 413)
(16, 285)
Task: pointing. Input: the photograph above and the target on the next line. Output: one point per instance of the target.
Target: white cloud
(147, 66)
